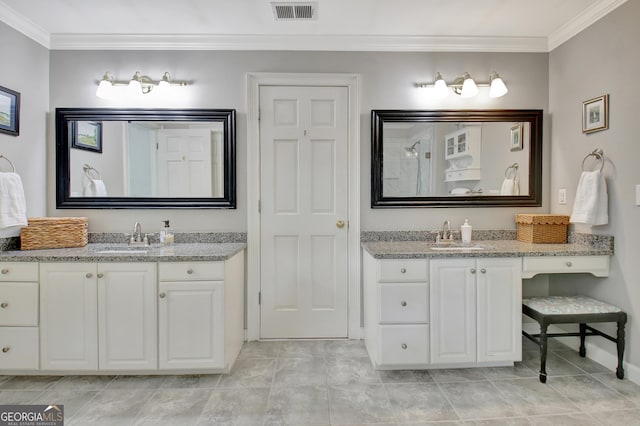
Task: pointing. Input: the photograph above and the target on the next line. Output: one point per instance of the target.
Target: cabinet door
(453, 311)
(499, 293)
(68, 316)
(191, 327)
(127, 316)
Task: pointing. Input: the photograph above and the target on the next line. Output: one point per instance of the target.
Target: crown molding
(588, 17)
(296, 42)
(21, 24)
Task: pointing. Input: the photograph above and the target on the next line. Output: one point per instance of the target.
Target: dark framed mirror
(456, 158)
(145, 158)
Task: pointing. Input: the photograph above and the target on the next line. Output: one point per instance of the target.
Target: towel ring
(13, 168)
(513, 167)
(599, 154)
(91, 172)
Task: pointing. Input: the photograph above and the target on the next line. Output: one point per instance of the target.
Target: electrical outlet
(562, 196)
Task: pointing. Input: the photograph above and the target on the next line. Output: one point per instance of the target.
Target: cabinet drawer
(19, 348)
(404, 344)
(596, 265)
(403, 270)
(191, 271)
(404, 303)
(18, 271)
(18, 304)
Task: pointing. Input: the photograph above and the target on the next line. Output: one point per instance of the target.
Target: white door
(453, 310)
(184, 163)
(191, 324)
(304, 211)
(499, 294)
(127, 316)
(68, 316)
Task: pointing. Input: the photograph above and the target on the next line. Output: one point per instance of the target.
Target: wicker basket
(54, 232)
(542, 228)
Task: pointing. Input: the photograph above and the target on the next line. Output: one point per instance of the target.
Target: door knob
(340, 224)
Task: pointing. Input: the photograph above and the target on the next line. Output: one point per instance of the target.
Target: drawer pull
(189, 271)
(403, 270)
(404, 346)
(162, 295)
(6, 349)
(569, 264)
(89, 275)
(473, 270)
(100, 275)
(5, 271)
(484, 271)
(4, 305)
(403, 303)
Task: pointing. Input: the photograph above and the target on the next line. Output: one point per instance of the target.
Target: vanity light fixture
(465, 86)
(137, 86)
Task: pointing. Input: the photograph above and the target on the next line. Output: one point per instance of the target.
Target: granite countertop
(180, 252)
(490, 248)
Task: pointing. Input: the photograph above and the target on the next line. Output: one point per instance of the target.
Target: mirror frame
(534, 117)
(63, 148)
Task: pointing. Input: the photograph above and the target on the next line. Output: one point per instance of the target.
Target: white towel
(95, 188)
(510, 186)
(13, 206)
(590, 206)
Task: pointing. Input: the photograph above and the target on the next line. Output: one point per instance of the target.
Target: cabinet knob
(569, 264)
(5, 271)
(163, 295)
(473, 270)
(89, 275)
(404, 346)
(403, 303)
(4, 305)
(484, 271)
(6, 349)
(100, 275)
(403, 270)
(189, 271)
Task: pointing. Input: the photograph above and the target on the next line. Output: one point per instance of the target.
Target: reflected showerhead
(411, 151)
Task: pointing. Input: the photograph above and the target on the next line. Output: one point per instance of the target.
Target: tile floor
(333, 383)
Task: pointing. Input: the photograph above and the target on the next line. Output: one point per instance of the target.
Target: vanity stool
(573, 309)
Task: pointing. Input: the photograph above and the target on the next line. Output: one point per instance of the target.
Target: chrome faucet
(447, 235)
(136, 236)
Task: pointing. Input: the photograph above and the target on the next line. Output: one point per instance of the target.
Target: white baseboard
(594, 353)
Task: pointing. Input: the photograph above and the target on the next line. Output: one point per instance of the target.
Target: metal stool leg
(620, 347)
(543, 352)
(583, 331)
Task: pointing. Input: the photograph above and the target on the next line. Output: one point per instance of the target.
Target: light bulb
(469, 87)
(105, 90)
(498, 88)
(440, 89)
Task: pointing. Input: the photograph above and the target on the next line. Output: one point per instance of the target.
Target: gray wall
(602, 59)
(219, 82)
(25, 69)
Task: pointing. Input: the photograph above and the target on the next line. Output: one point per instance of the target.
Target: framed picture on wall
(516, 137)
(87, 135)
(9, 111)
(595, 114)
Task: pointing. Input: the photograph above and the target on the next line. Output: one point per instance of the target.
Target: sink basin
(125, 251)
(457, 248)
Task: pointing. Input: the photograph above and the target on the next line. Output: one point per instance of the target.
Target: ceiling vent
(294, 11)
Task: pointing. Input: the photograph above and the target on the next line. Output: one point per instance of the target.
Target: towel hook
(91, 172)
(599, 154)
(13, 168)
(513, 167)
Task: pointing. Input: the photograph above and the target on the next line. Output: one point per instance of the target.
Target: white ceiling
(368, 25)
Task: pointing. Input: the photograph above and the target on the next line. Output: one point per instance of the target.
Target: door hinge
(258, 115)
(259, 206)
(259, 298)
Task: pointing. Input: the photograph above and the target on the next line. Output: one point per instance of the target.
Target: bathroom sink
(456, 248)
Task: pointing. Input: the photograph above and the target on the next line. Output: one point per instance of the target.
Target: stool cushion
(560, 305)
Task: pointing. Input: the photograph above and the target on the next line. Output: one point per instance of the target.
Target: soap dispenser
(465, 231)
(166, 235)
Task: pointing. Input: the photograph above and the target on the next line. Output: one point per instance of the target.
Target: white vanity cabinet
(396, 312)
(475, 307)
(462, 151)
(18, 316)
(200, 313)
(98, 316)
